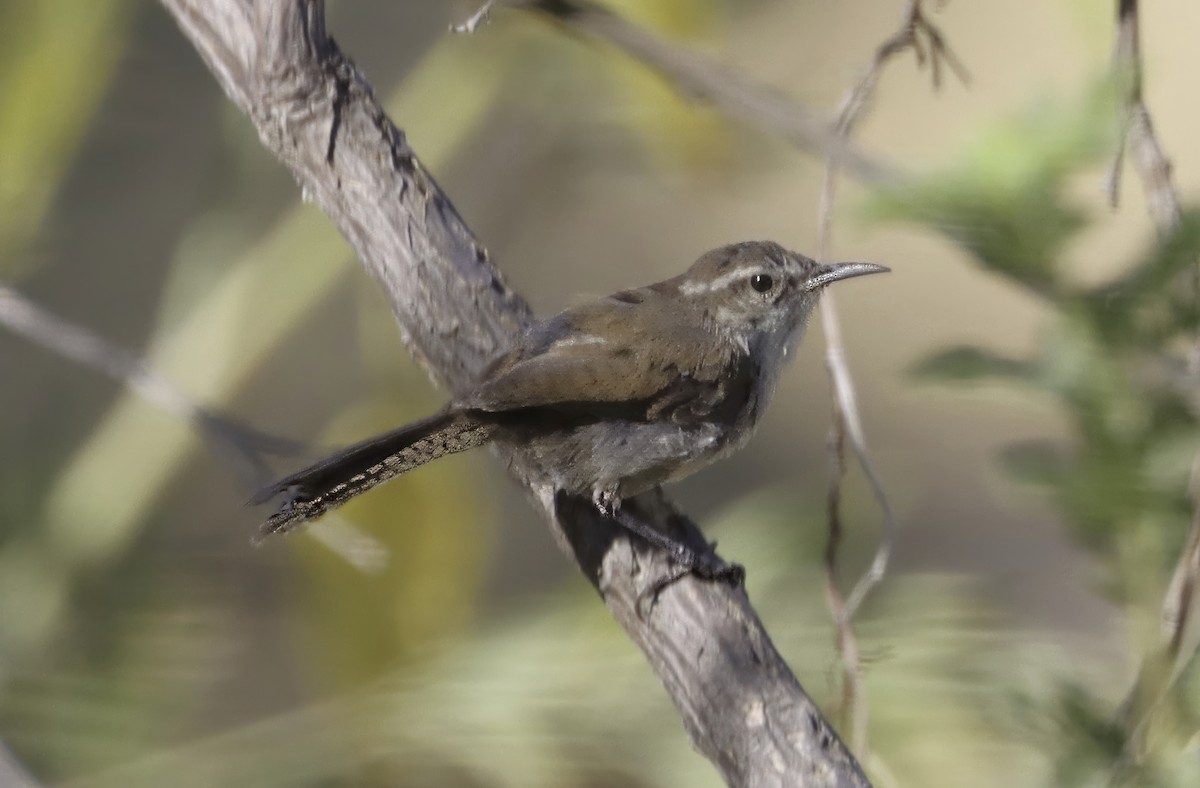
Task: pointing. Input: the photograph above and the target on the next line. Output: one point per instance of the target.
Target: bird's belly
(629, 457)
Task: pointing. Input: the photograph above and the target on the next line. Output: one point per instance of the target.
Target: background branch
(740, 703)
(241, 447)
(701, 79)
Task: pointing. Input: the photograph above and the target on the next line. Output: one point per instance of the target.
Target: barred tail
(336, 479)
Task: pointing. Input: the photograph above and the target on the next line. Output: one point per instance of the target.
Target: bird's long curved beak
(832, 272)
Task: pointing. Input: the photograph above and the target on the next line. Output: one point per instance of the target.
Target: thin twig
(1162, 667)
(845, 642)
(1180, 599)
(477, 19)
(1137, 134)
(917, 33)
(243, 447)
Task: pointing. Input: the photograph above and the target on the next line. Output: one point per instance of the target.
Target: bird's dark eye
(761, 282)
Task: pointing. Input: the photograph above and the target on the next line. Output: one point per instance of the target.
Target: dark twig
(702, 79)
(239, 445)
(1178, 616)
(1137, 134)
(917, 33)
(739, 702)
(844, 640)
(1162, 667)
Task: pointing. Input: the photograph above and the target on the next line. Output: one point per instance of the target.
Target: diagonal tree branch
(314, 110)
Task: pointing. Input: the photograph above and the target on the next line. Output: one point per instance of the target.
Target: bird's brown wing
(584, 361)
(563, 375)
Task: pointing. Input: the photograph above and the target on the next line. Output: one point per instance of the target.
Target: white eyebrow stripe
(580, 339)
(696, 288)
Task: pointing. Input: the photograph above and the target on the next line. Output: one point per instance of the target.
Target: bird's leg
(293, 496)
(609, 504)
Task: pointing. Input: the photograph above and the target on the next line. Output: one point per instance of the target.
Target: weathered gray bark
(740, 703)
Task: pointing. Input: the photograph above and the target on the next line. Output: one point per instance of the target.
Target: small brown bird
(614, 396)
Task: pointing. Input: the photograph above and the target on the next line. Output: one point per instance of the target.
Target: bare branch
(914, 27)
(701, 79)
(241, 446)
(314, 110)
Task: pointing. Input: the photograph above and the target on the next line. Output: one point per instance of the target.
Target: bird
(611, 397)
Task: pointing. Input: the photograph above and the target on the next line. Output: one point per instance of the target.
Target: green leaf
(972, 364)
(1157, 299)
(1035, 462)
(1004, 202)
(1168, 461)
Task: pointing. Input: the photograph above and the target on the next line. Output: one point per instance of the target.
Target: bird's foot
(706, 566)
(684, 560)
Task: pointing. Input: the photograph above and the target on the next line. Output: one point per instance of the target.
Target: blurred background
(432, 633)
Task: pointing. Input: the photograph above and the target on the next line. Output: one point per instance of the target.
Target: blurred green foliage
(106, 643)
(1113, 359)
(55, 62)
(1005, 202)
(111, 646)
(678, 133)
